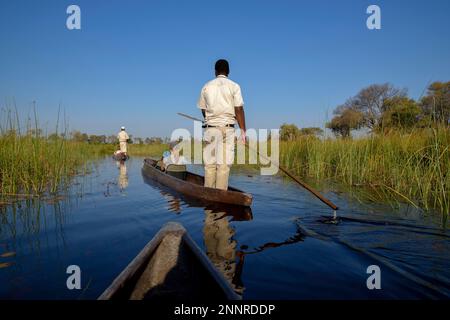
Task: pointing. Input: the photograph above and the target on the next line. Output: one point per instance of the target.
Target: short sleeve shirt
(218, 98)
(122, 136)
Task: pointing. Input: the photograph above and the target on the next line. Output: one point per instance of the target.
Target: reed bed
(33, 165)
(147, 150)
(408, 167)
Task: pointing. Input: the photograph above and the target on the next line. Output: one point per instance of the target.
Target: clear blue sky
(137, 63)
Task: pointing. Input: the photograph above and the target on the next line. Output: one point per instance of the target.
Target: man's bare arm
(240, 117)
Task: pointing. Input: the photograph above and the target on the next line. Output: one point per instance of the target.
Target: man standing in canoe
(222, 105)
(123, 139)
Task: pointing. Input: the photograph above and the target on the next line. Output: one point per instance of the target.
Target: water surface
(283, 248)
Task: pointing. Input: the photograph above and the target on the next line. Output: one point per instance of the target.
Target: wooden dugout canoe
(170, 267)
(237, 213)
(193, 186)
(120, 156)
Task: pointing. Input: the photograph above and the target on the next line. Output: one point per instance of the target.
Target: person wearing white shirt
(222, 105)
(123, 138)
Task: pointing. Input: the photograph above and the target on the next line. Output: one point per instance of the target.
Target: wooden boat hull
(170, 267)
(193, 186)
(120, 157)
(236, 212)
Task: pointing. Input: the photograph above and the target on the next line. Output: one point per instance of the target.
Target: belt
(225, 126)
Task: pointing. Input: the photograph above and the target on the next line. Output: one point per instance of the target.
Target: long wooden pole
(285, 171)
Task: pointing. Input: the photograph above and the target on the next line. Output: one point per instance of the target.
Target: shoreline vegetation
(33, 165)
(404, 155)
(38, 165)
(409, 167)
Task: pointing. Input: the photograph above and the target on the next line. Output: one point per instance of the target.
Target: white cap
(122, 128)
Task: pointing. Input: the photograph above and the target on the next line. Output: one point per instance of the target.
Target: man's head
(122, 128)
(222, 67)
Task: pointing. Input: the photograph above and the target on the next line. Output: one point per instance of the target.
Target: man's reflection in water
(220, 245)
(123, 177)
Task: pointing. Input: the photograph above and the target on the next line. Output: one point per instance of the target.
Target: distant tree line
(382, 108)
(112, 139)
(290, 132)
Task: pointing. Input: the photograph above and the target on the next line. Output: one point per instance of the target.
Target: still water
(283, 248)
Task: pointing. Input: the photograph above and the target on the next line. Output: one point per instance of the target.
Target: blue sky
(137, 63)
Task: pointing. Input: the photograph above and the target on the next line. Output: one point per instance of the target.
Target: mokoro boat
(193, 185)
(237, 213)
(120, 156)
(170, 267)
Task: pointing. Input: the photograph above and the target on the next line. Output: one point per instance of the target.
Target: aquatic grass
(410, 167)
(147, 150)
(32, 163)
(35, 165)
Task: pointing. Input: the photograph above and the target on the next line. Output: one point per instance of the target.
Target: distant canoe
(120, 156)
(170, 267)
(193, 185)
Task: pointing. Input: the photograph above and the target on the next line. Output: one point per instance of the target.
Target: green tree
(400, 112)
(98, 139)
(436, 104)
(345, 121)
(371, 103)
(112, 139)
(311, 131)
(53, 136)
(152, 140)
(34, 132)
(79, 137)
(289, 132)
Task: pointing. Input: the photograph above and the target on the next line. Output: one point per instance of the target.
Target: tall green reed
(32, 162)
(412, 167)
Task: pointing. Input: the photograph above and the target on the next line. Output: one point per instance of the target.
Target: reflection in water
(177, 200)
(218, 234)
(123, 176)
(237, 279)
(298, 237)
(220, 245)
(24, 223)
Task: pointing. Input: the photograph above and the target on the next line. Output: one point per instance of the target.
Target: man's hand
(243, 137)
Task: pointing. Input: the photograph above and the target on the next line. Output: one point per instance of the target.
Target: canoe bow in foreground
(170, 267)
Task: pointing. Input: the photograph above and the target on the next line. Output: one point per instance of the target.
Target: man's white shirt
(122, 136)
(218, 98)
